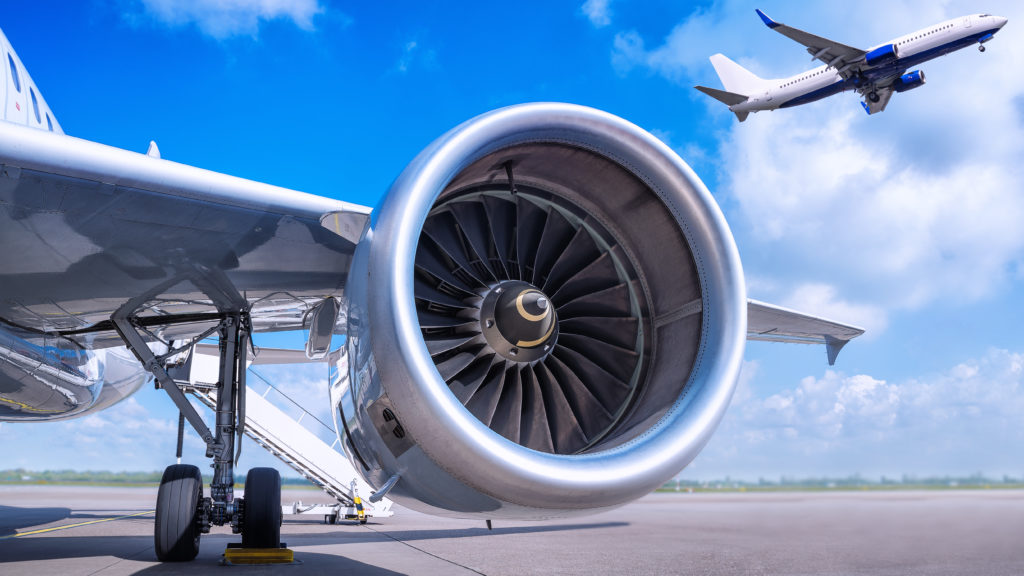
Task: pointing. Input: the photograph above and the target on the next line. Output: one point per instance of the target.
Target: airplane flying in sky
(875, 73)
(545, 315)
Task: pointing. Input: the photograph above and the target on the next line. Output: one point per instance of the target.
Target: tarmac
(91, 530)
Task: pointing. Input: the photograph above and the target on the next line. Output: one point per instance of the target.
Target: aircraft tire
(176, 532)
(873, 96)
(981, 47)
(262, 526)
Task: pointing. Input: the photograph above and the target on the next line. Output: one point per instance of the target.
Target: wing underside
(770, 323)
(88, 229)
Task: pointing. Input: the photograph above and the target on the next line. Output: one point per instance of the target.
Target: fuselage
(914, 49)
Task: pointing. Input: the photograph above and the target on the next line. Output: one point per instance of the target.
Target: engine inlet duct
(546, 317)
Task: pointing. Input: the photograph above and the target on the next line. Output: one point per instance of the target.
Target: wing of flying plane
(847, 60)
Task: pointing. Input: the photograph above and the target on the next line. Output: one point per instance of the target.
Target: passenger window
(14, 73)
(35, 105)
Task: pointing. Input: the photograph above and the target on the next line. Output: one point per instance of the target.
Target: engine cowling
(909, 81)
(882, 55)
(546, 316)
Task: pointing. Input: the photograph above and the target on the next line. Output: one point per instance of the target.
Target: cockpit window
(35, 105)
(49, 123)
(14, 73)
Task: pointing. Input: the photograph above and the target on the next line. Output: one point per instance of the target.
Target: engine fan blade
(617, 361)
(484, 402)
(608, 389)
(578, 254)
(531, 221)
(501, 215)
(509, 414)
(557, 234)
(566, 433)
(472, 222)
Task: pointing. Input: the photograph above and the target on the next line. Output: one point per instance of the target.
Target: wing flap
(770, 323)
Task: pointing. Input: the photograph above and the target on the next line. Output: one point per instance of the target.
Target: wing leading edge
(845, 59)
(770, 323)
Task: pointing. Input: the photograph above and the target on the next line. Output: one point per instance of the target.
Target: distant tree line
(22, 476)
(852, 482)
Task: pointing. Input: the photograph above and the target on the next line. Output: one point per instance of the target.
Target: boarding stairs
(296, 437)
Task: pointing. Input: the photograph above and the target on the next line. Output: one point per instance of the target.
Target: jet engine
(882, 55)
(546, 317)
(909, 81)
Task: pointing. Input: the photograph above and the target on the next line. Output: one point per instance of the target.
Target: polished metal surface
(664, 219)
(87, 227)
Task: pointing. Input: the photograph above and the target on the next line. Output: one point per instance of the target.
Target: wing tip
(767, 21)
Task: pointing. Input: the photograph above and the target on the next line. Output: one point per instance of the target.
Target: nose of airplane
(1000, 21)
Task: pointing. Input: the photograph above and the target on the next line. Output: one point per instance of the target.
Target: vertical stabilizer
(736, 78)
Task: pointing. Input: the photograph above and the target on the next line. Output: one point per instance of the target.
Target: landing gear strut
(182, 514)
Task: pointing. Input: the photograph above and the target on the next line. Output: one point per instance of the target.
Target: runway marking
(20, 534)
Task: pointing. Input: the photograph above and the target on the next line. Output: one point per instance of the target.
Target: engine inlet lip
(445, 431)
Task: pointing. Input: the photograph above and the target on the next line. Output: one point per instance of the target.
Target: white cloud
(598, 12)
(962, 421)
(225, 18)
(917, 205)
(823, 300)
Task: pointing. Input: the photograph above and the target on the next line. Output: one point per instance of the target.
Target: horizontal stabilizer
(727, 98)
(770, 323)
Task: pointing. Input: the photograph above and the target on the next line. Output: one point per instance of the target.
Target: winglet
(832, 347)
(767, 21)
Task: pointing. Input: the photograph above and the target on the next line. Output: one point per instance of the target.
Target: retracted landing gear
(182, 514)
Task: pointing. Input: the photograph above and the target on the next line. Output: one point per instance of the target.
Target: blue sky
(907, 223)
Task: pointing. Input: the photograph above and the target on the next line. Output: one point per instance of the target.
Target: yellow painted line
(20, 534)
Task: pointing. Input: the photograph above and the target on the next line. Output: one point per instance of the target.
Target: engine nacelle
(882, 55)
(909, 81)
(547, 317)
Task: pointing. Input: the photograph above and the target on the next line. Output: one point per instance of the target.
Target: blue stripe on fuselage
(888, 70)
(834, 88)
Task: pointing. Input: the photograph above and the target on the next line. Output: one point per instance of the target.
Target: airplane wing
(88, 228)
(845, 59)
(770, 323)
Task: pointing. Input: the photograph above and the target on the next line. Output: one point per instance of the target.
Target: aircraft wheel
(176, 534)
(981, 47)
(873, 96)
(261, 527)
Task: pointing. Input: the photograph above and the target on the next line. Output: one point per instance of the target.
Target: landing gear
(178, 504)
(873, 96)
(262, 525)
(182, 513)
(981, 47)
